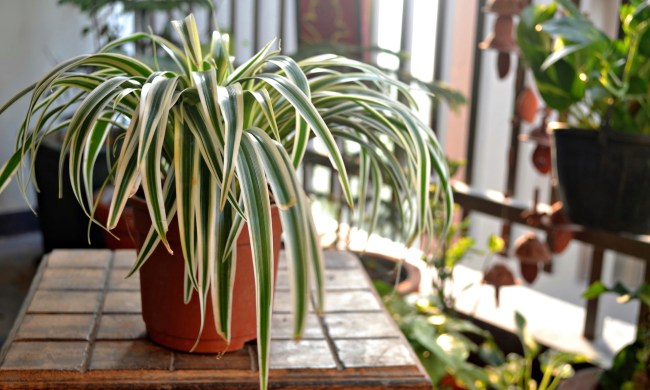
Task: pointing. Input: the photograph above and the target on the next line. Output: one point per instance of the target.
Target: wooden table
(81, 326)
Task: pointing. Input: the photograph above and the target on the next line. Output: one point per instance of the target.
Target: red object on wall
(344, 22)
(541, 159)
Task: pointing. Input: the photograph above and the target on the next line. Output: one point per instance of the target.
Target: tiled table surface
(81, 326)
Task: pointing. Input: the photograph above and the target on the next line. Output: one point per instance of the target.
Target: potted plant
(210, 147)
(599, 86)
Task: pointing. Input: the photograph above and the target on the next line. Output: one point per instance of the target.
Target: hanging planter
(604, 178)
(531, 253)
(599, 86)
(498, 276)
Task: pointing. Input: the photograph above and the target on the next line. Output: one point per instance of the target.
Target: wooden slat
(592, 304)
(496, 205)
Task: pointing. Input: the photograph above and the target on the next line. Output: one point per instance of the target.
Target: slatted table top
(81, 326)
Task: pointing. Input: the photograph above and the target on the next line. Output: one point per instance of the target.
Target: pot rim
(563, 129)
(138, 202)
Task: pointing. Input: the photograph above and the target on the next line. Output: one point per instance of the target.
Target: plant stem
(546, 378)
(555, 383)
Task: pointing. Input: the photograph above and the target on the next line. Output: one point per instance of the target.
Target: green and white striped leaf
(152, 185)
(156, 101)
(221, 54)
(266, 105)
(189, 34)
(258, 213)
(205, 214)
(223, 272)
(308, 112)
(152, 239)
(253, 65)
(231, 101)
(362, 190)
(94, 146)
(293, 72)
(126, 175)
(286, 189)
(81, 125)
(186, 158)
(300, 141)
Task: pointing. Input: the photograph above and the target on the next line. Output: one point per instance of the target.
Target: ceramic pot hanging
(527, 105)
(560, 235)
(531, 253)
(502, 39)
(504, 7)
(541, 159)
(498, 276)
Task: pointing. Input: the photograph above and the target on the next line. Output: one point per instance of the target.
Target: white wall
(34, 36)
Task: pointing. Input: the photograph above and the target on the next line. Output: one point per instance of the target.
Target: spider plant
(211, 144)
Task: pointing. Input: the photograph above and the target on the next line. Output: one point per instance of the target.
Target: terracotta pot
(541, 159)
(120, 237)
(172, 323)
(527, 105)
(384, 267)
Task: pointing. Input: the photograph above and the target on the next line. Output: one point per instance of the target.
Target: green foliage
(630, 368)
(100, 12)
(439, 339)
(516, 371)
(443, 345)
(591, 79)
(495, 244)
(444, 342)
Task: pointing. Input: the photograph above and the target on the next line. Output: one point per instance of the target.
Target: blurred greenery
(630, 369)
(592, 80)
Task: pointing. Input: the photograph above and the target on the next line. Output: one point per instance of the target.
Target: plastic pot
(172, 323)
(604, 178)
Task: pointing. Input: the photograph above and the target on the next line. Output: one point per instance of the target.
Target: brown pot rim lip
(138, 202)
(563, 129)
(413, 274)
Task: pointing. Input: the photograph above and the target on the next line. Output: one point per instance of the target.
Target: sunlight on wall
(422, 40)
(389, 26)
(425, 15)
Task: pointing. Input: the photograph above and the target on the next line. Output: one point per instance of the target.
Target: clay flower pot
(172, 323)
(527, 105)
(541, 159)
(498, 276)
(504, 7)
(561, 236)
(531, 253)
(502, 39)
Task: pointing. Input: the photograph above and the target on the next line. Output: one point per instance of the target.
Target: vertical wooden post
(592, 304)
(644, 313)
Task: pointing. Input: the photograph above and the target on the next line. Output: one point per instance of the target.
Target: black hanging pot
(604, 178)
(63, 222)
